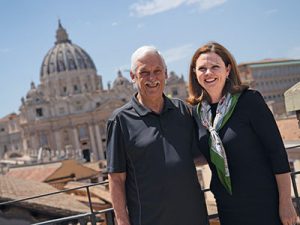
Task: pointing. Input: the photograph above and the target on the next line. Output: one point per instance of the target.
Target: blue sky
(111, 30)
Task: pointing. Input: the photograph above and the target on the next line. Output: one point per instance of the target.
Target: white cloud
(271, 11)
(206, 4)
(294, 53)
(115, 24)
(152, 7)
(177, 53)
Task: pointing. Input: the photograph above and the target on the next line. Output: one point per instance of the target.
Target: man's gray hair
(140, 52)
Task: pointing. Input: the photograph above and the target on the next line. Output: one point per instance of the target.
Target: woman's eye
(202, 69)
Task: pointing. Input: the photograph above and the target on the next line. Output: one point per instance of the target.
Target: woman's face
(211, 74)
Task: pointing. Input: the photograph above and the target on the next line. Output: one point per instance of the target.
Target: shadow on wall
(13, 222)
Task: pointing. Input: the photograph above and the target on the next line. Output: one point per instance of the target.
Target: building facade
(10, 134)
(176, 86)
(272, 78)
(65, 115)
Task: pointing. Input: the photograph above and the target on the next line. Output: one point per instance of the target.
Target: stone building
(292, 100)
(176, 86)
(10, 134)
(65, 115)
(272, 78)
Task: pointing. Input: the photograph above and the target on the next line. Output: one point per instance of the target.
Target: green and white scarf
(217, 152)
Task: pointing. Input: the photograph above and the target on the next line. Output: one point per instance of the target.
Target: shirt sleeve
(196, 145)
(115, 149)
(264, 125)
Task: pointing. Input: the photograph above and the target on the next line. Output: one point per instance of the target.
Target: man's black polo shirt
(155, 151)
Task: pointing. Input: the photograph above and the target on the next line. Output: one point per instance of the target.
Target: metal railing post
(293, 177)
(93, 216)
(109, 217)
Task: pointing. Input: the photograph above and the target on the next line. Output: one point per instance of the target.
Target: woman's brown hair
(233, 82)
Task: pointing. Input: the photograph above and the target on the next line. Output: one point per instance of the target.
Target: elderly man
(150, 148)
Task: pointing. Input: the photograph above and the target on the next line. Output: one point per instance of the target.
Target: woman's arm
(287, 211)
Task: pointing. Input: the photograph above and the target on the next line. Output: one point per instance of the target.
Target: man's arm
(118, 196)
(286, 209)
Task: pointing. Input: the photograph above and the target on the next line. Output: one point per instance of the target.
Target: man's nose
(152, 75)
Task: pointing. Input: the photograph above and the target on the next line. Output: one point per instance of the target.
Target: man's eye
(157, 72)
(144, 73)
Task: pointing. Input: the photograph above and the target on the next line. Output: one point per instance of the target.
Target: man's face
(150, 76)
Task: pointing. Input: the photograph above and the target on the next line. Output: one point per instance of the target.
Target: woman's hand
(287, 212)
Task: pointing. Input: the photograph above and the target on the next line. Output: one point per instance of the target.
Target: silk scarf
(218, 157)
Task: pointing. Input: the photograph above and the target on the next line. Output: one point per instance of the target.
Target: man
(152, 176)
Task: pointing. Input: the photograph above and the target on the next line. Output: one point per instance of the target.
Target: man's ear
(166, 74)
(132, 77)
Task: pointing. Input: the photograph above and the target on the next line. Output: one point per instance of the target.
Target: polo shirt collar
(142, 110)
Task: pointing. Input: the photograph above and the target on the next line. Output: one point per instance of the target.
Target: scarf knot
(211, 129)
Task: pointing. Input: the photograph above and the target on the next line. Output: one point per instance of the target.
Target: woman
(241, 142)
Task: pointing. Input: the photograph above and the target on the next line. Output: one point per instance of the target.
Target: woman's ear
(228, 69)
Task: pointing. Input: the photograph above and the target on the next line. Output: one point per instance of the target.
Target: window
(77, 88)
(78, 106)
(64, 91)
(60, 62)
(71, 62)
(39, 112)
(28, 144)
(61, 110)
(66, 136)
(43, 139)
(13, 125)
(174, 92)
(82, 132)
(2, 129)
